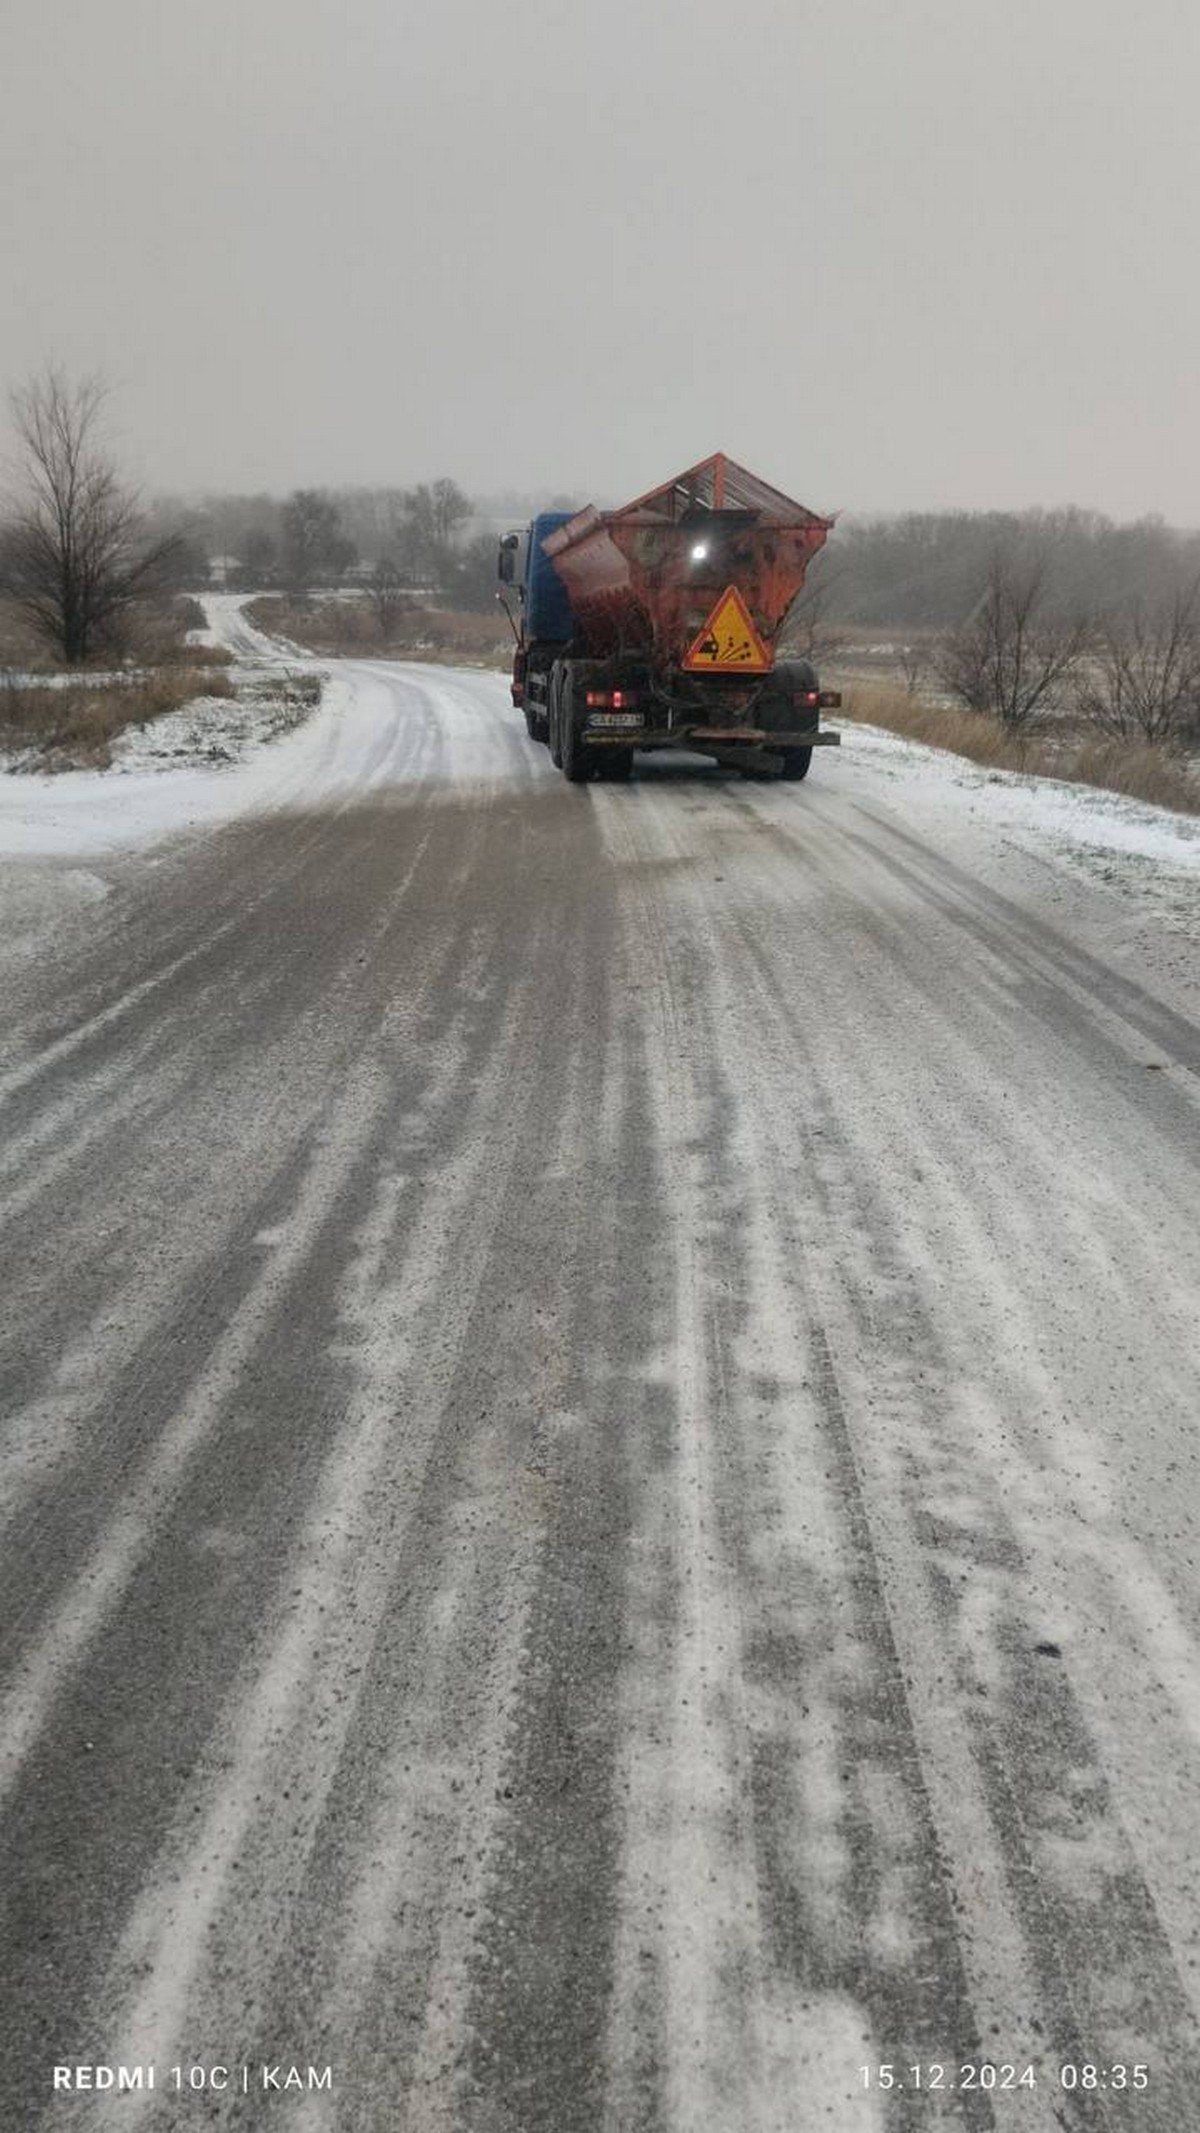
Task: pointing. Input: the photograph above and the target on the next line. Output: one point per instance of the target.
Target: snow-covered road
(600, 1473)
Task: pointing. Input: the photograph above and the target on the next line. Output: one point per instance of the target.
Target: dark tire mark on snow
(1109, 1989)
(543, 1969)
(1041, 1773)
(1007, 931)
(919, 2007)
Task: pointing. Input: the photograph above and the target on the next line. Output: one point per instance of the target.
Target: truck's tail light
(611, 699)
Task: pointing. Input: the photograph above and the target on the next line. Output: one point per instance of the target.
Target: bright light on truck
(699, 551)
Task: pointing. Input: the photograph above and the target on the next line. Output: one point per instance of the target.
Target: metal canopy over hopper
(648, 576)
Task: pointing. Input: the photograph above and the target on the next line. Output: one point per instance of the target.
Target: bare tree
(1014, 656)
(383, 591)
(807, 627)
(450, 508)
(314, 546)
(259, 558)
(74, 554)
(1144, 680)
(470, 581)
(914, 659)
(425, 525)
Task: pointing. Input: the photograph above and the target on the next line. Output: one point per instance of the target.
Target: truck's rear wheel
(796, 762)
(791, 679)
(535, 723)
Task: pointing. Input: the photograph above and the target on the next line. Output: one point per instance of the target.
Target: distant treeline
(925, 569)
(919, 570)
(432, 528)
(389, 539)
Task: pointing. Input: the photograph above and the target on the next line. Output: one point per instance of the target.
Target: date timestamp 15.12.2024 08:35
(1084, 2074)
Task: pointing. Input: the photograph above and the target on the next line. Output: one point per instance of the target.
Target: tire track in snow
(1063, 970)
(1083, 1975)
(540, 1973)
(162, 1301)
(254, 1937)
(234, 905)
(836, 1829)
(109, 1559)
(403, 1308)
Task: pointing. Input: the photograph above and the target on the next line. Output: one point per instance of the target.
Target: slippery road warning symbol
(728, 641)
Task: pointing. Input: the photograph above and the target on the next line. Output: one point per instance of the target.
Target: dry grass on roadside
(1140, 772)
(53, 718)
(331, 627)
(155, 634)
(1137, 769)
(74, 726)
(151, 634)
(209, 657)
(351, 629)
(176, 652)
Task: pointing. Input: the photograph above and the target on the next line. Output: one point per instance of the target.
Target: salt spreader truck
(655, 627)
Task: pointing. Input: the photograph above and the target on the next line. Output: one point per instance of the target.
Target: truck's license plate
(615, 718)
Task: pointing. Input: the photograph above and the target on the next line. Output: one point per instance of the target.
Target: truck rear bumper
(700, 736)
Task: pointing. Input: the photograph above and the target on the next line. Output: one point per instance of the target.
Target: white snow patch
(210, 729)
(215, 749)
(73, 678)
(1037, 808)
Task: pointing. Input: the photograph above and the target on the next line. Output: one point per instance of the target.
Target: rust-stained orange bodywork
(646, 578)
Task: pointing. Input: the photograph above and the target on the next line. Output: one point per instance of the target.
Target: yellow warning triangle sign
(728, 642)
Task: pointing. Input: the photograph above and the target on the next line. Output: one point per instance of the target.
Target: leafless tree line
(316, 535)
(1133, 671)
(395, 543)
(77, 549)
(924, 570)
(1143, 678)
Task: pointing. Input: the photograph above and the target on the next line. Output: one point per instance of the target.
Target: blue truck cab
(546, 622)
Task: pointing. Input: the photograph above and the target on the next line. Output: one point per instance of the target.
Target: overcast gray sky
(890, 253)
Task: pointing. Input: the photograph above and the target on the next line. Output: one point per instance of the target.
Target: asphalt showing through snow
(599, 1478)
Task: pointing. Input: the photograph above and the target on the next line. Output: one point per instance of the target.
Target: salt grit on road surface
(599, 1474)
